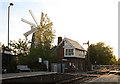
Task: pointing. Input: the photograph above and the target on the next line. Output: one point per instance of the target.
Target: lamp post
(11, 4)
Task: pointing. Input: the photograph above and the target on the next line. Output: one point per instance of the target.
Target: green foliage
(13, 64)
(0, 44)
(100, 53)
(8, 60)
(114, 60)
(41, 51)
(45, 34)
(42, 41)
(41, 45)
(119, 61)
(21, 47)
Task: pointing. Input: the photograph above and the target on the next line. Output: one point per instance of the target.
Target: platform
(24, 74)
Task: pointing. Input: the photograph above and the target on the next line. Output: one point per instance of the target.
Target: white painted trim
(7, 52)
(60, 43)
(75, 57)
(75, 52)
(64, 59)
(69, 43)
(64, 41)
(70, 55)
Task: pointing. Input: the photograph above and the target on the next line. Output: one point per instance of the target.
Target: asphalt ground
(24, 74)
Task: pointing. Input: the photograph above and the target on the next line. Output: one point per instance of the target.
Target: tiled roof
(75, 44)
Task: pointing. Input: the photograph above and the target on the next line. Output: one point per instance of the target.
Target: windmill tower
(36, 28)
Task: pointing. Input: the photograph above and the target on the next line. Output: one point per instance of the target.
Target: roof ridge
(75, 44)
(71, 40)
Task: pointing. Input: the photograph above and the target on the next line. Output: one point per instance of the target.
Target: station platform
(24, 74)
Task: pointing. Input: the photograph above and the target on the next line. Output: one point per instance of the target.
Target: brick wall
(79, 65)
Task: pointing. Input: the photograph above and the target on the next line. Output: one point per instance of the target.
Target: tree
(0, 44)
(114, 60)
(41, 51)
(42, 44)
(119, 61)
(8, 60)
(45, 34)
(100, 53)
(21, 47)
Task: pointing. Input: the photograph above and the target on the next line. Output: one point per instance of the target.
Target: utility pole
(88, 57)
(89, 63)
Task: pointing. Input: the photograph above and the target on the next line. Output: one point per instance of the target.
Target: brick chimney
(60, 50)
(59, 39)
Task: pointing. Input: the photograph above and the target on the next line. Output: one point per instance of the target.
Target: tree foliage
(8, 60)
(45, 34)
(119, 61)
(44, 52)
(21, 47)
(114, 60)
(42, 44)
(100, 53)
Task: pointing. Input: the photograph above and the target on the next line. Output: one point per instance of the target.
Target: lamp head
(11, 4)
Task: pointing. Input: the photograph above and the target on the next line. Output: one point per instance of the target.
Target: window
(69, 52)
(81, 53)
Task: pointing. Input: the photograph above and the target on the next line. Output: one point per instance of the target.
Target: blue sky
(80, 20)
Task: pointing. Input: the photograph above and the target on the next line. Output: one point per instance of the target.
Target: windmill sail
(31, 31)
(28, 22)
(33, 17)
(41, 22)
(35, 28)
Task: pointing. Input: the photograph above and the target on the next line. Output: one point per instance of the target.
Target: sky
(79, 20)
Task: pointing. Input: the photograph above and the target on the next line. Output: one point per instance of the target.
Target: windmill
(35, 27)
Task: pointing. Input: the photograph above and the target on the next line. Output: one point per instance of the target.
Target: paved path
(24, 74)
(107, 78)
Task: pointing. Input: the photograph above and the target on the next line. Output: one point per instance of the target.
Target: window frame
(69, 52)
(81, 53)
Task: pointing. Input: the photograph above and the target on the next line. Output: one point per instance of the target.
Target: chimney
(59, 39)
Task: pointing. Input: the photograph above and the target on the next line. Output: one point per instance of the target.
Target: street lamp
(11, 4)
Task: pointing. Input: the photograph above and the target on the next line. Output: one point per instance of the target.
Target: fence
(57, 67)
(105, 66)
